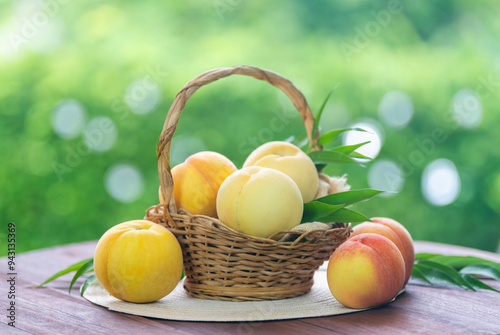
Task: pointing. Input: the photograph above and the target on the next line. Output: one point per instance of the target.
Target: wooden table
(425, 310)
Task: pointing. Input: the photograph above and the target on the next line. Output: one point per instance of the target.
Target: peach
(138, 261)
(366, 271)
(197, 181)
(259, 201)
(395, 232)
(290, 160)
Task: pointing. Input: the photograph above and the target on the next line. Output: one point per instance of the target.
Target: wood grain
(420, 310)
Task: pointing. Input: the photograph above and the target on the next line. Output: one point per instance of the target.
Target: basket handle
(285, 85)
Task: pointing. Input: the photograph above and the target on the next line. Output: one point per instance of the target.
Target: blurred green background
(85, 88)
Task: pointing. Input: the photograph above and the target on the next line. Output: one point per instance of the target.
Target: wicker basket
(221, 263)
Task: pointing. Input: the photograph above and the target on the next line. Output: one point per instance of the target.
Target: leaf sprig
(332, 208)
(345, 154)
(458, 271)
(342, 154)
(82, 267)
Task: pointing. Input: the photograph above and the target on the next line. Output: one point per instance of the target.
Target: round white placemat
(180, 306)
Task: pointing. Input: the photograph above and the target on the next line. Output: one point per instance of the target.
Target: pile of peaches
(139, 261)
(264, 197)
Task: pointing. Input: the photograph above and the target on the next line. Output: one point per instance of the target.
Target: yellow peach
(197, 181)
(138, 261)
(367, 270)
(290, 160)
(259, 201)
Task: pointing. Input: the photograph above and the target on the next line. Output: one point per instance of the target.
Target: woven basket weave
(221, 263)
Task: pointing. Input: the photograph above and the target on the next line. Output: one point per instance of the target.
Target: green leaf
(440, 269)
(477, 283)
(424, 255)
(347, 149)
(417, 274)
(356, 154)
(90, 280)
(331, 157)
(314, 211)
(439, 273)
(345, 215)
(71, 268)
(320, 111)
(86, 267)
(485, 270)
(349, 197)
(334, 134)
(457, 262)
(330, 208)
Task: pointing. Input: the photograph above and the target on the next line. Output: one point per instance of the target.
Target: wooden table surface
(421, 309)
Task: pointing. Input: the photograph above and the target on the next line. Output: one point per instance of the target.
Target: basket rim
(153, 214)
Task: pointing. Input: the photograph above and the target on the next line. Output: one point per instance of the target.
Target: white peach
(259, 201)
(290, 160)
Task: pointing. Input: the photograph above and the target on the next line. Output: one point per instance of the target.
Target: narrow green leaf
(313, 211)
(440, 269)
(334, 134)
(90, 280)
(347, 149)
(356, 154)
(320, 111)
(332, 157)
(349, 197)
(485, 270)
(71, 268)
(476, 283)
(417, 274)
(345, 215)
(459, 262)
(425, 255)
(442, 274)
(86, 267)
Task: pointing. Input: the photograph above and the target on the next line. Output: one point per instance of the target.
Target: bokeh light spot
(373, 134)
(467, 109)
(68, 118)
(396, 109)
(440, 182)
(124, 182)
(142, 96)
(386, 176)
(100, 134)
